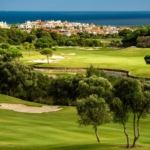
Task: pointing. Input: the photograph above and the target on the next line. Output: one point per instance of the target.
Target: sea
(113, 18)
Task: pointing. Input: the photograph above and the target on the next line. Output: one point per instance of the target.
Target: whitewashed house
(4, 25)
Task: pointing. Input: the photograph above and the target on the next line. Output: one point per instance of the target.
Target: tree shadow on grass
(97, 146)
(84, 146)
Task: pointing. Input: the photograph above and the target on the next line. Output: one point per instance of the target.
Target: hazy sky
(75, 5)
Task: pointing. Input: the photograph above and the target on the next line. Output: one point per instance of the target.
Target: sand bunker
(72, 54)
(69, 54)
(42, 61)
(51, 59)
(29, 109)
(94, 48)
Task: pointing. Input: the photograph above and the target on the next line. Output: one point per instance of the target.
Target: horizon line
(78, 10)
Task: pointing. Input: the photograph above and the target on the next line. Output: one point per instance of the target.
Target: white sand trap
(72, 54)
(95, 48)
(57, 57)
(41, 61)
(69, 54)
(29, 109)
(90, 49)
(54, 59)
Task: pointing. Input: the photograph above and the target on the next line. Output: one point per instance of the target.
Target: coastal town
(67, 28)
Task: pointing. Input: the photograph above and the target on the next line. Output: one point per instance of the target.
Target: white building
(4, 25)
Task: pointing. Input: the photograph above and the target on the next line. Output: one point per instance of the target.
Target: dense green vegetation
(43, 39)
(10, 53)
(138, 37)
(22, 81)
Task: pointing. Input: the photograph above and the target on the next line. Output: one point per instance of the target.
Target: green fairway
(130, 59)
(59, 131)
(13, 100)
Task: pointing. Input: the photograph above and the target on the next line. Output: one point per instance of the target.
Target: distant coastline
(114, 18)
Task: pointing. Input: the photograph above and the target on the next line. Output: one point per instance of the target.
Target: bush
(147, 59)
(5, 46)
(143, 41)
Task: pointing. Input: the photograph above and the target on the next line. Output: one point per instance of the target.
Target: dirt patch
(29, 109)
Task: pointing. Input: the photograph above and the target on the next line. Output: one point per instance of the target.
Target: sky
(75, 5)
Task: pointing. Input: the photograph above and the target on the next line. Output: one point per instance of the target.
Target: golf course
(130, 59)
(74, 75)
(59, 130)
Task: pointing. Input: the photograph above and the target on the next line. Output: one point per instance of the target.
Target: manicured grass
(13, 100)
(59, 131)
(130, 59)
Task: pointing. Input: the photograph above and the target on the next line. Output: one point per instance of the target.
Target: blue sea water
(117, 18)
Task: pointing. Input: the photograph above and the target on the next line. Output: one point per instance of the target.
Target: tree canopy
(133, 99)
(48, 52)
(93, 85)
(23, 82)
(10, 54)
(93, 111)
